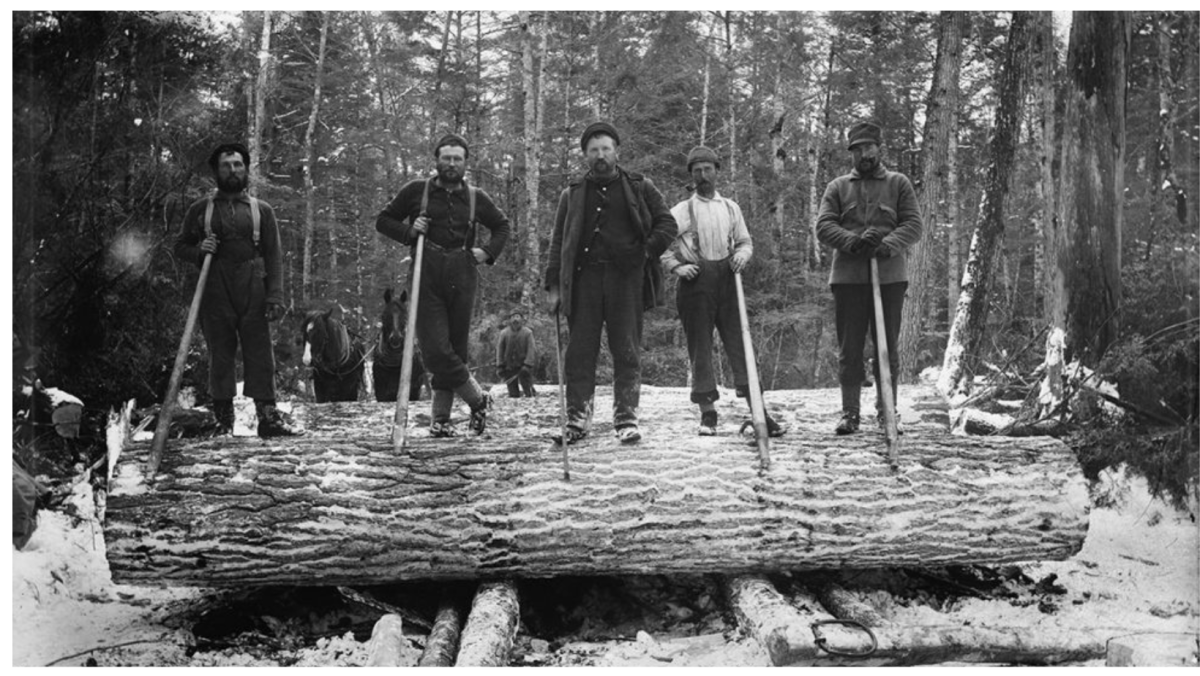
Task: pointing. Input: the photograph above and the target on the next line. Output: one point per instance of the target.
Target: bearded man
(445, 209)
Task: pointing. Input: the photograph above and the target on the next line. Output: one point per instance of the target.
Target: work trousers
(521, 380)
(605, 296)
(449, 280)
(854, 315)
(233, 312)
(705, 302)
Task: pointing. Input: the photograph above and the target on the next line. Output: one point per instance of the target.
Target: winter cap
(864, 132)
(452, 140)
(598, 128)
(702, 154)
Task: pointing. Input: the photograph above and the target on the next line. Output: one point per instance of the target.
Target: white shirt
(719, 230)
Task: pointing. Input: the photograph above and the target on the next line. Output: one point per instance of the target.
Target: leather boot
(223, 411)
(275, 423)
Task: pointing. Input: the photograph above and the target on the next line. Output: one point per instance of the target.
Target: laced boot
(223, 411)
(275, 423)
(479, 413)
(848, 424)
(708, 424)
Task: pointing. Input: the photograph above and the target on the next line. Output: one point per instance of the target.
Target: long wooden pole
(758, 412)
(562, 395)
(170, 402)
(891, 432)
(400, 420)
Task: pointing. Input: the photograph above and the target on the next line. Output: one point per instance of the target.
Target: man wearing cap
(243, 292)
(449, 279)
(869, 213)
(516, 356)
(713, 245)
(610, 229)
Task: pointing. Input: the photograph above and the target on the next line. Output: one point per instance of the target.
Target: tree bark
(387, 647)
(310, 159)
(441, 645)
(941, 116)
(491, 627)
(532, 63)
(339, 507)
(1092, 184)
(970, 318)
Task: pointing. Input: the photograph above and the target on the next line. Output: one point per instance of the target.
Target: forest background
(115, 113)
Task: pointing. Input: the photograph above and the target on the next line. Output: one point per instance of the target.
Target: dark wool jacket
(851, 204)
(651, 218)
(236, 239)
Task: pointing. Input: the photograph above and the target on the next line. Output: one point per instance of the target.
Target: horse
(336, 358)
(389, 351)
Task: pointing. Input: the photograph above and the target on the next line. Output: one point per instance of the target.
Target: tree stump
(340, 507)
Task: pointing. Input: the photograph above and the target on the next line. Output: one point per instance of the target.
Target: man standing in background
(516, 356)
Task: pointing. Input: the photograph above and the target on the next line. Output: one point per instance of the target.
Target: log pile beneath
(340, 507)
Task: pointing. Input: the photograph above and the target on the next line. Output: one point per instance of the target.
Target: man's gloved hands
(855, 245)
(687, 270)
(872, 236)
(274, 312)
(739, 260)
(883, 251)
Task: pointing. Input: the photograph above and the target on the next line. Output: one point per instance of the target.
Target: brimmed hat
(452, 140)
(864, 132)
(598, 128)
(702, 154)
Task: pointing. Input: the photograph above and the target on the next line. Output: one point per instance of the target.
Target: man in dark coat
(516, 356)
(244, 291)
(869, 213)
(610, 229)
(450, 277)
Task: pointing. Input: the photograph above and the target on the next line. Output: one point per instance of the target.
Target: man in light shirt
(712, 246)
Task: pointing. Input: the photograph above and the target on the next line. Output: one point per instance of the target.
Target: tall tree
(1092, 180)
(965, 343)
(533, 52)
(941, 117)
(310, 161)
(262, 90)
(1163, 174)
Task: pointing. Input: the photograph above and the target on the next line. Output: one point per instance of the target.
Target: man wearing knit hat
(869, 213)
(713, 245)
(603, 272)
(445, 209)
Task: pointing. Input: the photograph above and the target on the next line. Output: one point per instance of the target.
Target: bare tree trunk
(597, 65)
(533, 48)
(310, 160)
(1092, 181)
(1163, 173)
(704, 98)
(1054, 295)
(261, 90)
(940, 124)
(971, 315)
(387, 133)
(778, 115)
(441, 70)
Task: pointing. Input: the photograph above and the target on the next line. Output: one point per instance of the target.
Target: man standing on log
(244, 290)
(869, 213)
(713, 245)
(444, 209)
(515, 356)
(610, 229)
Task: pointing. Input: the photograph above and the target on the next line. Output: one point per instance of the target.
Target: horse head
(326, 340)
(395, 315)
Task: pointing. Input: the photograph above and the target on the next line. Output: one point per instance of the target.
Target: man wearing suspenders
(244, 291)
(445, 210)
(713, 244)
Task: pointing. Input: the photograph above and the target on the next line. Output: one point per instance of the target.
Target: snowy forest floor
(1137, 573)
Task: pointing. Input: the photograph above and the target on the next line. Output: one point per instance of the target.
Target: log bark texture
(339, 507)
(491, 627)
(442, 644)
(387, 647)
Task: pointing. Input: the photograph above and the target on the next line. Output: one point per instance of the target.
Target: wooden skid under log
(340, 507)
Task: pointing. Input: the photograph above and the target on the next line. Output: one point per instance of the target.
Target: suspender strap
(467, 239)
(696, 226)
(255, 218)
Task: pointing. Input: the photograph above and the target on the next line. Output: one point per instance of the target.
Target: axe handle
(758, 412)
(400, 419)
(562, 395)
(885, 369)
(170, 402)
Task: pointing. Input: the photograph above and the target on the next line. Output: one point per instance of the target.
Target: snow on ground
(1138, 572)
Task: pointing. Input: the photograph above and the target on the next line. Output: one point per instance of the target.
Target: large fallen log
(340, 507)
(487, 639)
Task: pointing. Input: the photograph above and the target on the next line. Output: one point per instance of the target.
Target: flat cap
(702, 154)
(864, 132)
(451, 140)
(598, 128)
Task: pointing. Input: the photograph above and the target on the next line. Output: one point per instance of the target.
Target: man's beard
(867, 165)
(232, 183)
(705, 189)
(601, 167)
(449, 174)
